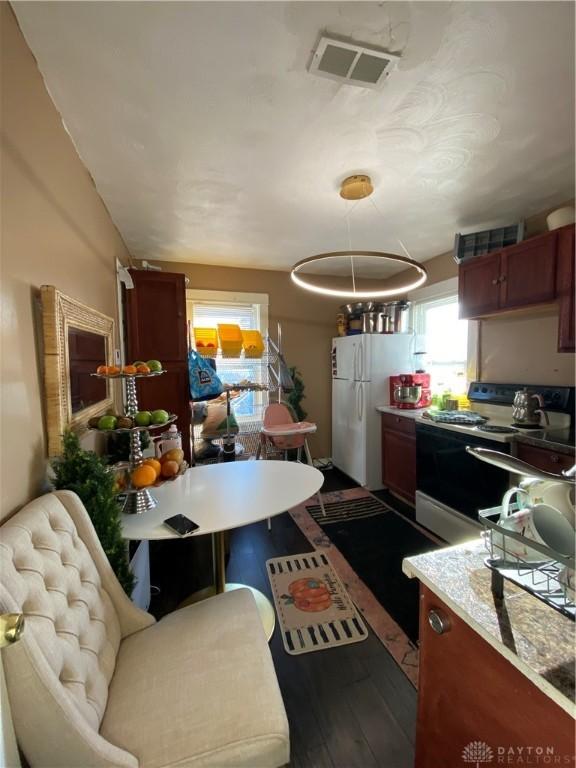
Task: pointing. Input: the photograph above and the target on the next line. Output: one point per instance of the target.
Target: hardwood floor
(348, 707)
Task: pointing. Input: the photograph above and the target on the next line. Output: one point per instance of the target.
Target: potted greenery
(90, 478)
(296, 395)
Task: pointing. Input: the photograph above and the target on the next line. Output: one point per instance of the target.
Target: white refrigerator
(361, 367)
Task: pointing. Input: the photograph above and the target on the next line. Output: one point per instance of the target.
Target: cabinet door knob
(495, 281)
(439, 623)
(554, 458)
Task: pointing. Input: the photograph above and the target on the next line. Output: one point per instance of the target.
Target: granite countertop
(535, 638)
(560, 440)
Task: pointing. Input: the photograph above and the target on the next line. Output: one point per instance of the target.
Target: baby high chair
(281, 432)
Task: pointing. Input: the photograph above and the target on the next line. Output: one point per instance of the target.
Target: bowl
(561, 217)
(554, 529)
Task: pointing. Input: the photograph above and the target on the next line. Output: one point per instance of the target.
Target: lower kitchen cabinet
(399, 455)
(468, 692)
(549, 461)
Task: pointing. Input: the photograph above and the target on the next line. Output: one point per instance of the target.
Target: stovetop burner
(497, 430)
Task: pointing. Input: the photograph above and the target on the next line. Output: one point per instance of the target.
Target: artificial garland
(90, 478)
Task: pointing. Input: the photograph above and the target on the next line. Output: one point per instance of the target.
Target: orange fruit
(113, 370)
(155, 464)
(130, 370)
(174, 454)
(170, 468)
(143, 475)
(142, 369)
(102, 370)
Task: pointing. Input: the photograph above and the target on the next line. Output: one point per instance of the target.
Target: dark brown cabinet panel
(156, 329)
(398, 423)
(169, 391)
(566, 286)
(478, 286)
(528, 272)
(468, 692)
(156, 316)
(549, 461)
(522, 275)
(399, 455)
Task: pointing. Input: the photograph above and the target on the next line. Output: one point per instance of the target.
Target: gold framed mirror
(77, 339)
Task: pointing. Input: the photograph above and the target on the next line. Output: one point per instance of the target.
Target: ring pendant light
(357, 188)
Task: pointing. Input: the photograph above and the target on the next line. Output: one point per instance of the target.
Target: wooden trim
(59, 314)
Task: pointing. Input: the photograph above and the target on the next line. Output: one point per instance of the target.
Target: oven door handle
(512, 464)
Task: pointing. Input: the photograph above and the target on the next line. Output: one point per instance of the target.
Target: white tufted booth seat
(95, 681)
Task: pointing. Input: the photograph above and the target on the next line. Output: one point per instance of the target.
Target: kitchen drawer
(395, 423)
(550, 461)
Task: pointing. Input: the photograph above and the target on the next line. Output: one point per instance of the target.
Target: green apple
(143, 419)
(154, 365)
(107, 422)
(160, 417)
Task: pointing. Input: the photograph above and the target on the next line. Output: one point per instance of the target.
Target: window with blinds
(249, 315)
(209, 314)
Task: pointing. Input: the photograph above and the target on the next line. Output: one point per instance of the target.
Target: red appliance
(411, 380)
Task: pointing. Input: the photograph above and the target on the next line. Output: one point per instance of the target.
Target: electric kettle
(527, 409)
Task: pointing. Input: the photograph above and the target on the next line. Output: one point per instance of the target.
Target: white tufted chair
(95, 681)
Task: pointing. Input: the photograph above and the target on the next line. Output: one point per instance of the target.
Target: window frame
(438, 293)
(260, 303)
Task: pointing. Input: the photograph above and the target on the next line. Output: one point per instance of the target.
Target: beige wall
(308, 325)
(55, 230)
(521, 349)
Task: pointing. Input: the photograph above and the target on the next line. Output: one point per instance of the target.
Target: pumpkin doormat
(313, 607)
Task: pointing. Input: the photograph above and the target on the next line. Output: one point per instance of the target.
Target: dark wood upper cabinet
(155, 311)
(156, 316)
(531, 273)
(566, 286)
(528, 272)
(478, 286)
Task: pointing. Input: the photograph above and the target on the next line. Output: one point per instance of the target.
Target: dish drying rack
(540, 578)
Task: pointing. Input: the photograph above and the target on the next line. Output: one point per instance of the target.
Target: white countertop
(407, 413)
(535, 638)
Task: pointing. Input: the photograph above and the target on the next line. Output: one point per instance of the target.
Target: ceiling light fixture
(357, 188)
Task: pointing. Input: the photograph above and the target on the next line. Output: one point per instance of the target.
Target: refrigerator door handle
(360, 402)
(355, 363)
(360, 362)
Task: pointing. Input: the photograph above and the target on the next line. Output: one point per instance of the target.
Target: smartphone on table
(181, 525)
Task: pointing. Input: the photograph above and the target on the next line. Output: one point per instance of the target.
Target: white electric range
(451, 484)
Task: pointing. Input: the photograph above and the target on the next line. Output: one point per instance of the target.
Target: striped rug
(313, 607)
(348, 509)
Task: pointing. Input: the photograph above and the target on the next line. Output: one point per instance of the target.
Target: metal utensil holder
(540, 578)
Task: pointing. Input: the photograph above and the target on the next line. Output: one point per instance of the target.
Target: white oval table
(220, 497)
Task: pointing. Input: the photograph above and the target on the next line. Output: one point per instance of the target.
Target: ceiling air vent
(361, 65)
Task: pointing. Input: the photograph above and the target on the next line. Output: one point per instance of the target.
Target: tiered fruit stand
(137, 500)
